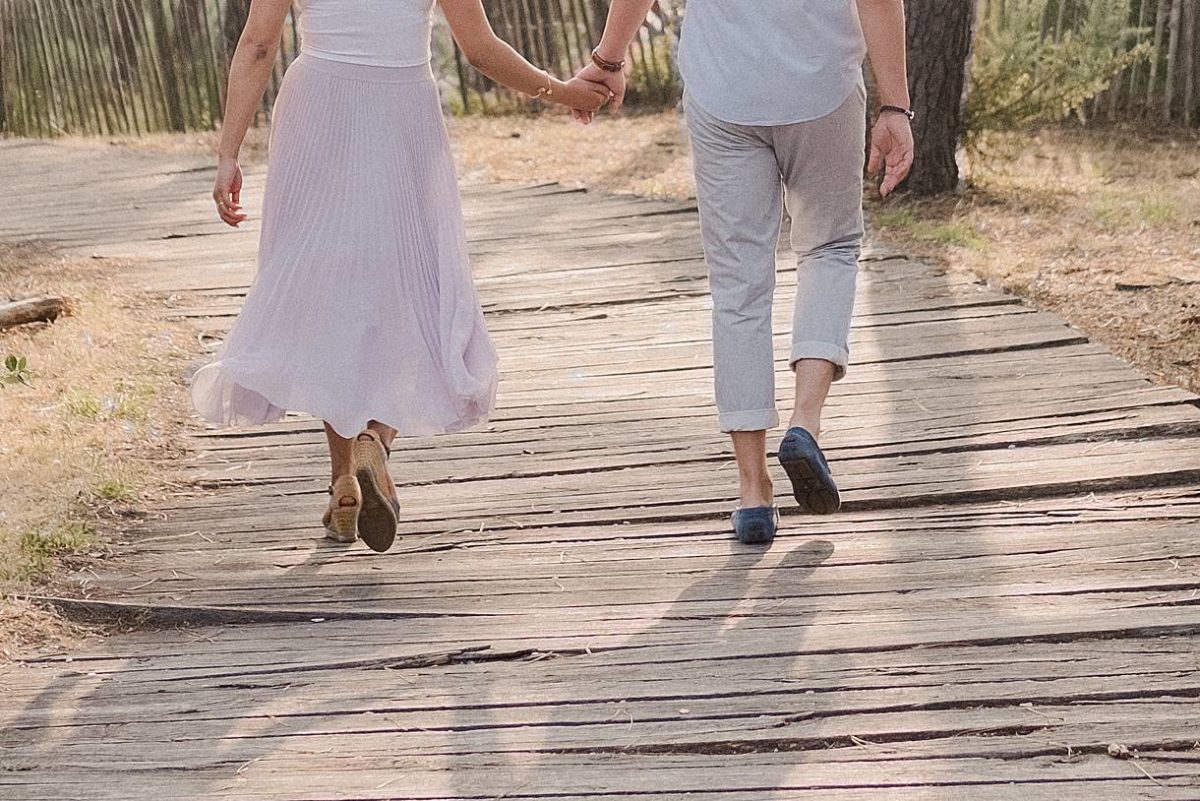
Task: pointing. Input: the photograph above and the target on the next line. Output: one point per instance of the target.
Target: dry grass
(90, 440)
(645, 154)
(1102, 228)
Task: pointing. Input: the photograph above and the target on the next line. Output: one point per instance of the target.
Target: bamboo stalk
(99, 87)
(464, 91)
(1135, 68)
(212, 76)
(1172, 59)
(1160, 26)
(30, 127)
(149, 60)
(1189, 65)
(19, 96)
(47, 66)
(126, 96)
(48, 43)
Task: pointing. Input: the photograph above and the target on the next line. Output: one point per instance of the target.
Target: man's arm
(625, 18)
(891, 136)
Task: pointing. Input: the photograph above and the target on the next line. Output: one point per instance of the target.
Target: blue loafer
(755, 525)
(805, 464)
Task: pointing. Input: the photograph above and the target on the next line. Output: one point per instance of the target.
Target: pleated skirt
(363, 307)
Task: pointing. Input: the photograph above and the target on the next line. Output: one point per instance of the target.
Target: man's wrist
(606, 60)
(892, 108)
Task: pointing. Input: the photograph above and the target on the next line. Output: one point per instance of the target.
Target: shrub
(1026, 73)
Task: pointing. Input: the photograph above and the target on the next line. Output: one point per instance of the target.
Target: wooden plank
(1012, 588)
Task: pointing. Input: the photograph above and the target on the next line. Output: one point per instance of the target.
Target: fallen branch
(43, 309)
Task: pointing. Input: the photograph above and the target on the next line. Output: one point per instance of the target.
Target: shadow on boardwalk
(1010, 590)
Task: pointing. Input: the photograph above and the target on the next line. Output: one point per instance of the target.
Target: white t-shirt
(380, 33)
(771, 62)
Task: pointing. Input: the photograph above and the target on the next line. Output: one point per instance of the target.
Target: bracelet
(605, 64)
(907, 112)
(548, 89)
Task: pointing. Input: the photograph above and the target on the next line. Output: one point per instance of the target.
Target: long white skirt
(363, 306)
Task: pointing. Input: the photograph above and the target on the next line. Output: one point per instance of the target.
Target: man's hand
(615, 81)
(891, 150)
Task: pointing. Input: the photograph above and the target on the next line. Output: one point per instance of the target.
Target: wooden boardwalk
(1014, 586)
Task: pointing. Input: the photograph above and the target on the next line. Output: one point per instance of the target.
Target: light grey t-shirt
(771, 62)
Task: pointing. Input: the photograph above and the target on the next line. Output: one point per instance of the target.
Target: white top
(771, 62)
(381, 33)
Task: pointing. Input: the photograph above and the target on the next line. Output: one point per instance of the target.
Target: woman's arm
(492, 56)
(249, 71)
(891, 136)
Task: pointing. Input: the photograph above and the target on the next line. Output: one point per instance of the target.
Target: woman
(362, 312)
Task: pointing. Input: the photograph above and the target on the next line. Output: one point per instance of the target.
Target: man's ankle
(756, 492)
(810, 424)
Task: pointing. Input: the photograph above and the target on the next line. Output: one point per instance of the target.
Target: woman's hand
(227, 191)
(582, 96)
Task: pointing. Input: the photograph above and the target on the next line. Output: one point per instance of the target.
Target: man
(776, 114)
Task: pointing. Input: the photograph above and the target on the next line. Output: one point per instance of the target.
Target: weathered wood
(1011, 589)
(42, 309)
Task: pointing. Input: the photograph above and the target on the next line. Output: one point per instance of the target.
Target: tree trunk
(940, 33)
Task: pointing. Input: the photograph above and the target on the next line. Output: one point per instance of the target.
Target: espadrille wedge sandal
(380, 508)
(341, 517)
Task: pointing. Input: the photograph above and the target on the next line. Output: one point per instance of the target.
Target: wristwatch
(907, 112)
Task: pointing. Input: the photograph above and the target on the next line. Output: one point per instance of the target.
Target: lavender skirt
(363, 306)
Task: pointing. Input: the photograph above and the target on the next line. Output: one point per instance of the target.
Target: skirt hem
(218, 379)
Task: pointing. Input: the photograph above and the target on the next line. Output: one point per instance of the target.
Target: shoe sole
(756, 534)
(343, 524)
(813, 487)
(377, 519)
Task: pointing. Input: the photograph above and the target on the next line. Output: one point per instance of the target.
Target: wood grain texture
(1013, 587)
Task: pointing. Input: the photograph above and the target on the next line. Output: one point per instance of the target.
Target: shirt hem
(773, 122)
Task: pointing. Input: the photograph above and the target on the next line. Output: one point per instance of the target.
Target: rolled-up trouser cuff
(757, 420)
(838, 356)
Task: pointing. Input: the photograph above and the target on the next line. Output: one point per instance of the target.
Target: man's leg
(739, 190)
(822, 166)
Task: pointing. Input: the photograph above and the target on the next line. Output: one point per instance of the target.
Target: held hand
(615, 81)
(891, 150)
(584, 97)
(227, 191)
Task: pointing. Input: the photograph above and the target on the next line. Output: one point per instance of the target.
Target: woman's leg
(386, 433)
(340, 450)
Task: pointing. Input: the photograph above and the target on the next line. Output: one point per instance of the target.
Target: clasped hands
(591, 89)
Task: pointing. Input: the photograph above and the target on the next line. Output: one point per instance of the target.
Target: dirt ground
(89, 442)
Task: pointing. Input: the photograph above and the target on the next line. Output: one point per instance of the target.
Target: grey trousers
(744, 175)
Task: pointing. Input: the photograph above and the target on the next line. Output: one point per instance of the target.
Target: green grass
(959, 233)
(84, 406)
(1125, 212)
(1158, 211)
(114, 490)
(131, 402)
(38, 549)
